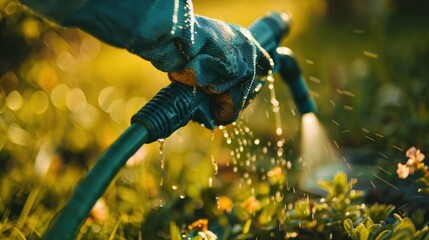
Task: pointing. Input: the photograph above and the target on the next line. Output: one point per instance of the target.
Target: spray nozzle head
(291, 74)
(269, 31)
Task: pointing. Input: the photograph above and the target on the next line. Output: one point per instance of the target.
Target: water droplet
(218, 202)
(210, 182)
(14, 100)
(39, 102)
(174, 187)
(161, 151)
(175, 16)
(214, 164)
(279, 131)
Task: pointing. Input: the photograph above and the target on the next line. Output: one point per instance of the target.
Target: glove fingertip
(222, 109)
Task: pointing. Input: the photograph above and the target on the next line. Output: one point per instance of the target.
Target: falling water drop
(161, 151)
(214, 164)
(275, 106)
(257, 141)
(210, 182)
(212, 135)
(175, 17)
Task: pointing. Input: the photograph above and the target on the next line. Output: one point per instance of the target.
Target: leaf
(404, 230)
(367, 222)
(384, 235)
(375, 229)
(348, 225)
(420, 234)
(362, 232)
(325, 185)
(246, 226)
(379, 212)
(340, 183)
(423, 181)
(267, 214)
(397, 217)
(175, 232)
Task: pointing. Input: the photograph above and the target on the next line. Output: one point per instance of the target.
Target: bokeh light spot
(117, 111)
(10, 8)
(47, 78)
(39, 102)
(134, 105)
(76, 100)
(31, 30)
(88, 117)
(58, 96)
(14, 100)
(105, 98)
(78, 139)
(9, 81)
(90, 47)
(65, 61)
(18, 135)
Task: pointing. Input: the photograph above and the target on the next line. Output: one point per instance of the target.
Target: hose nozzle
(269, 31)
(291, 73)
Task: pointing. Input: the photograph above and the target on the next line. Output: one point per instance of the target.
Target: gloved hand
(224, 60)
(220, 58)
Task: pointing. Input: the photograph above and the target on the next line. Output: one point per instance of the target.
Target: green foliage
(51, 69)
(401, 229)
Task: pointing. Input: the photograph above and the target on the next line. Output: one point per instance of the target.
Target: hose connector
(172, 108)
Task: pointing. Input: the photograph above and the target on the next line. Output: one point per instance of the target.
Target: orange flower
(224, 204)
(251, 204)
(200, 225)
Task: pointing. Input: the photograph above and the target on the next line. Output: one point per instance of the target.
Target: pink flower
(100, 211)
(415, 155)
(411, 165)
(403, 170)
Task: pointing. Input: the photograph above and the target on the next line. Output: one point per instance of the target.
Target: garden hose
(173, 107)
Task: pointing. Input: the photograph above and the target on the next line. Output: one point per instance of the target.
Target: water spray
(173, 107)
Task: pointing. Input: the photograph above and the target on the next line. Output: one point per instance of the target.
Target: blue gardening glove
(220, 58)
(223, 60)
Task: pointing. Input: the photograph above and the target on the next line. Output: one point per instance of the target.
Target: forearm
(141, 26)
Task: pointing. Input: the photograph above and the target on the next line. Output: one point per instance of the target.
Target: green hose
(95, 183)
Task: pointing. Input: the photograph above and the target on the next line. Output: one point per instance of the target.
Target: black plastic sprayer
(173, 107)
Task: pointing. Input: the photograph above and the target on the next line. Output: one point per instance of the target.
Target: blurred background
(65, 97)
